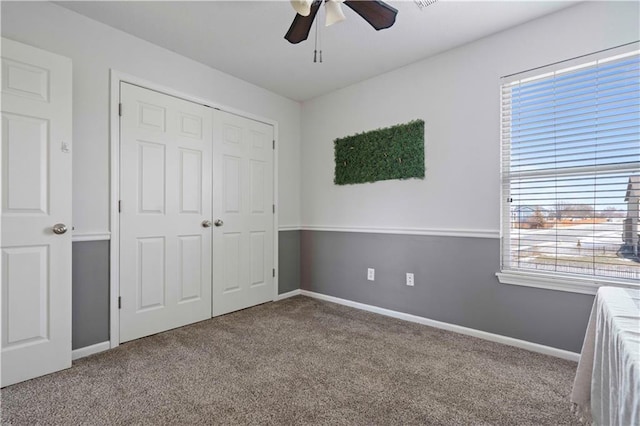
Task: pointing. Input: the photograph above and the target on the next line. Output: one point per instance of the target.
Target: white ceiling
(246, 38)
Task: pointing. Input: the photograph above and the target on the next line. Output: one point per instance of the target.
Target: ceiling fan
(377, 13)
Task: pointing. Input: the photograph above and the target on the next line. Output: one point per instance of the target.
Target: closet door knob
(218, 222)
(59, 228)
(206, 224)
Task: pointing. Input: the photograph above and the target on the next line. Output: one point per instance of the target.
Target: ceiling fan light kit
(333, 12)
(333, 9)
(302, 7)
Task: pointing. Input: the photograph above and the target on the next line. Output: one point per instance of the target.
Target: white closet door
(243, 209)
(36, 195)
(165, 232)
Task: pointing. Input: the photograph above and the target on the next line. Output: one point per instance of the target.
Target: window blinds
(571, 168)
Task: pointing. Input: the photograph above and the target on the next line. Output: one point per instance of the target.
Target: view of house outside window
(571, 169)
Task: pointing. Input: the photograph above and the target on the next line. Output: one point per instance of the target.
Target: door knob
(218, 222)
(59, 228)
(206, 224)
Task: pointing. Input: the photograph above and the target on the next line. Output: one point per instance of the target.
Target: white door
(165, 231)
(36, 195)
(243, 213)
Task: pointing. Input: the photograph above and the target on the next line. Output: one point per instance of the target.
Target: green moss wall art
(395, 152)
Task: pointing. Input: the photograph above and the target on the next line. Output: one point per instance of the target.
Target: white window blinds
(571, 168)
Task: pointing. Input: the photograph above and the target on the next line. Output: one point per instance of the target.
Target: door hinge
(274, 144)
(274, 209)
(120, 109)
(119, 302)
(119, 206)
(274, 272)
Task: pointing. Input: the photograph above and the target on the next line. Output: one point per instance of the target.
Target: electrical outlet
(410, 279)
(371, 274)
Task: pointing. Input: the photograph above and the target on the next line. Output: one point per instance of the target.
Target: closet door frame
(117, 77)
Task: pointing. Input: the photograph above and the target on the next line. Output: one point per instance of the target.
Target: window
(571, 173)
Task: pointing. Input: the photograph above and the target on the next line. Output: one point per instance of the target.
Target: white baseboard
(523, 344)
(89, 350)
(288, 294)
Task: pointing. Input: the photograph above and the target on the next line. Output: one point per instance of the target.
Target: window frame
(560, 281)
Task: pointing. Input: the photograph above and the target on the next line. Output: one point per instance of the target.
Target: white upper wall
(457, 94)
(94, 49)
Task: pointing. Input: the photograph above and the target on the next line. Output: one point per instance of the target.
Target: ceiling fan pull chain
(320, 35)
(315, 51)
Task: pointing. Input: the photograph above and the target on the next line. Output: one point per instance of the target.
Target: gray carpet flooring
(301, 361)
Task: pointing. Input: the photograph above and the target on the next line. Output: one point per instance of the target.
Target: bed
(606, 389)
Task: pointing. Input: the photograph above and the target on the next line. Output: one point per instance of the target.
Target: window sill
(560, 282)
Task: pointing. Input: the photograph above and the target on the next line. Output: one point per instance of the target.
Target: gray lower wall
(288, 261)
(90, 293)
(90, 317)
(455, 282)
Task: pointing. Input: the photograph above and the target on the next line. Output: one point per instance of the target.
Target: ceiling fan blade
(377, 13)
(301, 25)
